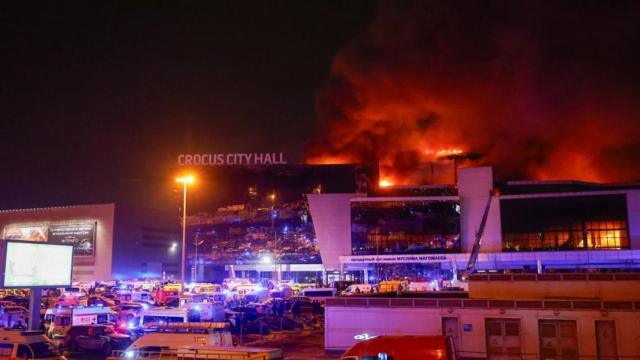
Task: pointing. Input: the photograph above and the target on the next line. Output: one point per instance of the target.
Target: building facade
(530, 225)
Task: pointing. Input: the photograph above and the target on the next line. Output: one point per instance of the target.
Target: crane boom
(473, 259)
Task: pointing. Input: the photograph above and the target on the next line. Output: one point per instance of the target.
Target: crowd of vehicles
(133, 317)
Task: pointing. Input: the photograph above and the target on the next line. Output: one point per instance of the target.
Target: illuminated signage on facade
(395, 259)
(231, 159)
(82, 235)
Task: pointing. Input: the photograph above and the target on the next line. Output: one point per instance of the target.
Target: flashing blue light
(197, 308)
(129, 354)
(131, 325)
(145, 306)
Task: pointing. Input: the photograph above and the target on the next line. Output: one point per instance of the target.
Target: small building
(549, 323)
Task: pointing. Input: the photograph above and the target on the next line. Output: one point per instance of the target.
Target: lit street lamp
(272, 197)
(189, 179)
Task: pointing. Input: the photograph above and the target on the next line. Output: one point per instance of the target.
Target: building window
(405, 227)
(565, 223)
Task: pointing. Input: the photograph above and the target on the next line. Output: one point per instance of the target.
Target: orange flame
(417, 89)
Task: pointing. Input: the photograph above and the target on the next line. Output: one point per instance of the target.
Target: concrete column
(232, 272)
(34, 308)
(474, 185)
(341, 272)
(633, 218)
(366, 276)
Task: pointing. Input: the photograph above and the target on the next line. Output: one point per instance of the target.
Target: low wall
(597, 286)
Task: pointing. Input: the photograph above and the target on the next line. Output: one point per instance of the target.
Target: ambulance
(59, 319)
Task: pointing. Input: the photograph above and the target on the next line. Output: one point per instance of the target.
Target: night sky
(98, 99)
(97, 96)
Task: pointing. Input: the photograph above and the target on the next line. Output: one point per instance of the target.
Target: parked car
(95, 337)
(15, 344)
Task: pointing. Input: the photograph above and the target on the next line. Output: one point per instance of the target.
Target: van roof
(318, 289)
(22, 336)
(81, 310)
(165, 312)
(401, 347)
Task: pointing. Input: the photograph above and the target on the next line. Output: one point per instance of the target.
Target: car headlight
(129, 354)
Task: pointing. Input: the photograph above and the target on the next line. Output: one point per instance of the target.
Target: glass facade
(405, 227)
(565, 223)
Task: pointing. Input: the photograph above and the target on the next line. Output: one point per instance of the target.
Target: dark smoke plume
(546, 90)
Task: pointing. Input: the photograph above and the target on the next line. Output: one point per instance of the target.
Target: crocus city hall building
(530, 226)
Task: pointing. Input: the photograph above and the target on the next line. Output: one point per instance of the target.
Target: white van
(162, 316)
(155, 341)
(356, 289)
(318, 294)
(142, 296)
(422, 286)
(16, 344)
(60, 319)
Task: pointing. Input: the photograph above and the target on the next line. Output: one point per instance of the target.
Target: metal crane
(473, 259)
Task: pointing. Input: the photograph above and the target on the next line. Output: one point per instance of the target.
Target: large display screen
(29, 264)
(80, 234)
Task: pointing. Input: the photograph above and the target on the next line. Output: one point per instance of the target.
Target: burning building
(538, 90)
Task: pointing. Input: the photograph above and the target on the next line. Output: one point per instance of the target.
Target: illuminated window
(565, 223)
(405, 227)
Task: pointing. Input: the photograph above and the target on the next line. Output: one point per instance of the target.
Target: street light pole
(194, 278)
(184, 233)
(272, 196)
(184, 180)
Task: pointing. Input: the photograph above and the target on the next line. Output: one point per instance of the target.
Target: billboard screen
(30, 264)
(80, 234)
(29, 232)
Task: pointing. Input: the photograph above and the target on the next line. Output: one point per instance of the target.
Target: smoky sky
(95, 96)
(541, 89)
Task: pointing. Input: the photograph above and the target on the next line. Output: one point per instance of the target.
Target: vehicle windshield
(43, 349)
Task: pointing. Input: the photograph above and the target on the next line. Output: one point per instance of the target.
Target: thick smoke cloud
(546, 90)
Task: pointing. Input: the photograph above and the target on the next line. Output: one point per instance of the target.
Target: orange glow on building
(443, 152)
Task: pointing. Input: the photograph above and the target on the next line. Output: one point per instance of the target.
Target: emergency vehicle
(153, 317)
(166, 294)
(16, 344)
(403, 347)
(59, 319)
